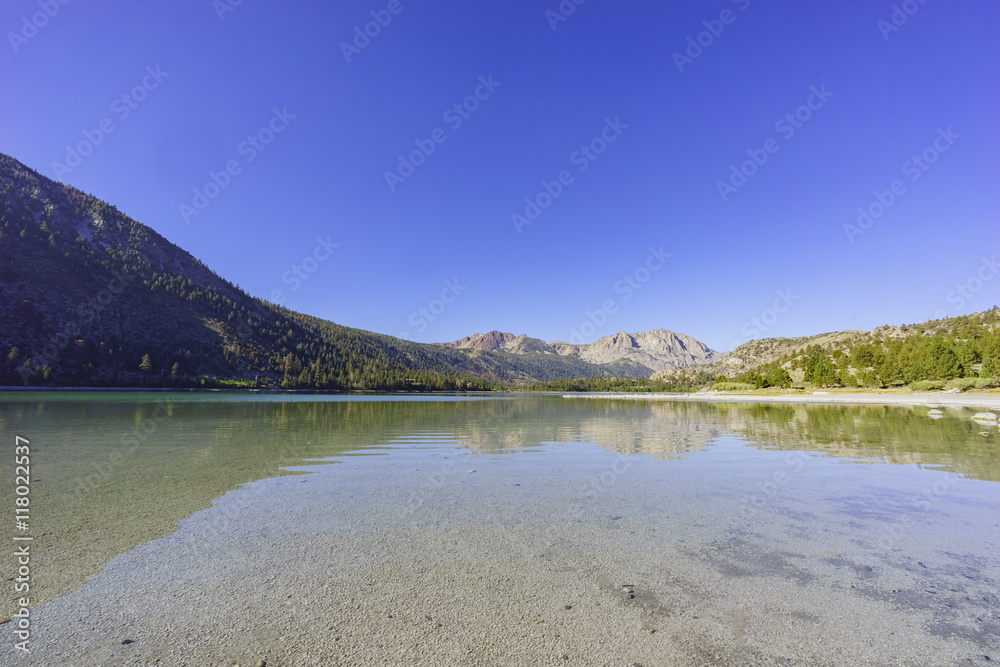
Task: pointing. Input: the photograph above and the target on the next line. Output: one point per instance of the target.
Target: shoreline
(930, 399)
(239, 390)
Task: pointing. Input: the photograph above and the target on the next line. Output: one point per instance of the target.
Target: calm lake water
(228, 528)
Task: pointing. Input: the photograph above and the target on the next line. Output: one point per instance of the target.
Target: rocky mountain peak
(659, 349)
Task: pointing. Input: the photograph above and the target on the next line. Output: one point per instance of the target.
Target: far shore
(987, 400)
(929, 399)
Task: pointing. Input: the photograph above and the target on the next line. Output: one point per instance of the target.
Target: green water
(112, 471)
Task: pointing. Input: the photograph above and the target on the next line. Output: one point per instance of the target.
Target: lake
(224, 528)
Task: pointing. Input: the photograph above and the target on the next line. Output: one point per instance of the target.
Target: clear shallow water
(852, 529)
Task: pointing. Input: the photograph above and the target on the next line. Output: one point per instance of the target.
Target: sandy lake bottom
(521, 531)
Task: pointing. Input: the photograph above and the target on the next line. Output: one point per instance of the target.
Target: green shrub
(965, 384)
(962, 384)
(927, 385)
(732, 386)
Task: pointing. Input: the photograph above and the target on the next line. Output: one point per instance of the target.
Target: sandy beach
(932, 399)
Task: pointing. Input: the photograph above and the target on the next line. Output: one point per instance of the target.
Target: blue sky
(673, 188)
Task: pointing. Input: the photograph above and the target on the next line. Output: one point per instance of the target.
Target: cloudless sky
(889, 92)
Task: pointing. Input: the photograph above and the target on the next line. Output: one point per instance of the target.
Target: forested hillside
(959, 352)
(89, 296)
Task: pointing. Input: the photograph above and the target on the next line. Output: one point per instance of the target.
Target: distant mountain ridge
(659, 350)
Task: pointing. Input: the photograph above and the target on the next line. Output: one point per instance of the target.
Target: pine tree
(945, 361)
(819, 369)
(890, 371)
(914, 372)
